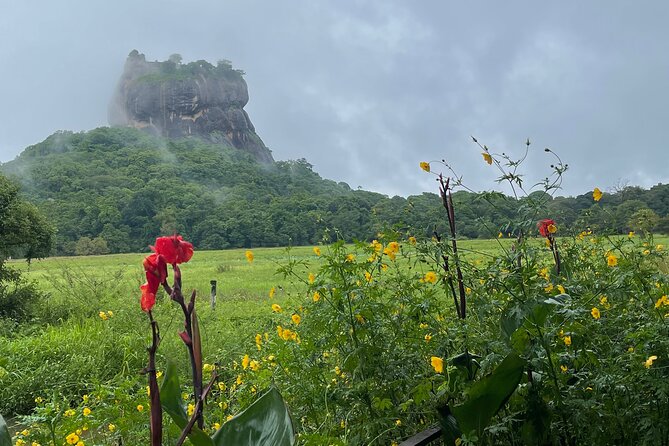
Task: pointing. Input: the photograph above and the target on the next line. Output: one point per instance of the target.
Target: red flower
(155, 266)
(174, 249)
(148, 299)
(543, 226)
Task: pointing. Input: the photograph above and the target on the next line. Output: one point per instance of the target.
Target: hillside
(116, 189)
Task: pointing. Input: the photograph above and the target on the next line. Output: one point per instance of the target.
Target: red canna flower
(173, 249)
(148, 299)
(546, 227)
(155, 266)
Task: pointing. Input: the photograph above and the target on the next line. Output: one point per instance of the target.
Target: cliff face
(196, 99)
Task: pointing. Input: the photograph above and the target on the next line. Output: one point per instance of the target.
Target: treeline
(117, 189)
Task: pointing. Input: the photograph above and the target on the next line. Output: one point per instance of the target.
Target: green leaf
(488, 395)
(170, 399)
(5, 438)
(266, 422)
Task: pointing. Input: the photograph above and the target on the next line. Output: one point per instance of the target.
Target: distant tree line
(115, 190)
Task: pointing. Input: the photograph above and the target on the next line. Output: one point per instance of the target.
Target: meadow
(88, 335)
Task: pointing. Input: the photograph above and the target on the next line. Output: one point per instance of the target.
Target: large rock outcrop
(178, 100)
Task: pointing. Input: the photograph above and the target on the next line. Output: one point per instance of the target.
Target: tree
(24, 232)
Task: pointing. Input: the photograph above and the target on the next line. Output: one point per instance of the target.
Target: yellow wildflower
(140, 408)
(208, 368)
(249, 256)
(103, 315)
(631, 234)
(552, 229)
(245, 361)
(69, 413)
(597, 194)
(390, 253)
(72, 438)
(110, 313)
(39, 400)
(659, 247)
(317, 296)
(487, 157)
(191, 409)
(437, 364)
(111, 427)
(561, 289)
(229, 417)
(222, 386)
(422, 325)
(611, 259)
(664, 300)
(649, 361)
(500, 235)
(425, 166)
(350, 258)
(239, 380)
(272, 292)
(567, 340)
(548, 288)
(428, 337)
(258, 340)
(368, 276)
(595, 313)
(86, 411)
(159, 374)
(255, 365)
(317, 250)
(604, 301)
(398, 422)
(276, 308)
(430, 276)
(412, 240)
(312, 278)
(20, 442)
(296, 319)
(646, 252)
(563, 368)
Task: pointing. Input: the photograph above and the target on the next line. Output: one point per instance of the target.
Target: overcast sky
(365, 90)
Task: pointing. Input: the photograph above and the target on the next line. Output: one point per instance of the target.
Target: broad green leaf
(488, 395)
(5, 438)
(170, 399)
(266, 422)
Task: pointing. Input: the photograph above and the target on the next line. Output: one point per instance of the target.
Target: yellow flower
(249, 256)
(245, 361)
(597, 194)
(631, 234)
(317, 250)
(567, 340)
(487, 157)
(72, 438)
(69, 413)
(317, 296)
(425, 166)
(428, 337)
(312, 278)
(500, 235)
(20, 442)
(110, 313)
(646, 252)
(222, 387)
(604, 301)
(103, 315)
(159, 374)
(111, 427)
(611, 259)
(664, 300)
(258, 340)
(595, 313)
(140, 408)
(561, 289)
(430, 276)
(272, 292)
(296, 319)
(412, 240)
(398, 422)
(394, 247)
(39, 400)
(191, 409)
(649, 361)
(389, 253)
(548, 288)
(86, 411)
(208, 368)
(659, 247)
(350, 258)
(543, 273)
(276, 308)
(422, 325)
(368, 276)
(458, 441)
(34, 443)
(563, 368)
(216, 426)
(552, 229)
(229, 417)
(437, 364)
(239, 380)
(255, 365)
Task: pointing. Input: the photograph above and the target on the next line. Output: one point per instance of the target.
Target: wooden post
(213, 294)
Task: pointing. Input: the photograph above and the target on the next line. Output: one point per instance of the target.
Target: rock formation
(178, 100)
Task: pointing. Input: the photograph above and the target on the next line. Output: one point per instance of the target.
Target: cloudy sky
(365, 90)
